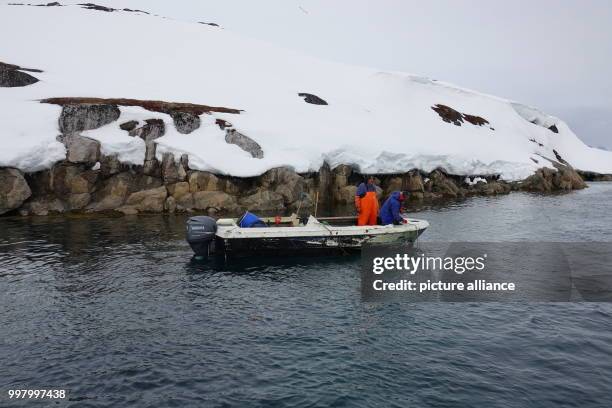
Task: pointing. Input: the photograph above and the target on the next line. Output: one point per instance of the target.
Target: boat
(292, 236)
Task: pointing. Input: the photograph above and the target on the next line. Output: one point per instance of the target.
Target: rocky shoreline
(89, 182)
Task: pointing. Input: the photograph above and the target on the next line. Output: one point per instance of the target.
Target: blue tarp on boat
(249, 220)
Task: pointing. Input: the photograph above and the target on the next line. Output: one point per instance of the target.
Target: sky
(552, 54)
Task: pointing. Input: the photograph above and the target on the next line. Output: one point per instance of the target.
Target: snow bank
(381, 122)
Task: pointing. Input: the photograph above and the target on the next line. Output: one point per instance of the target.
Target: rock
(490, 188)
(170, 204)
(148, 200)
(43, 206)
(81, 149)
(171, 171)
(79, 201)
(76, 118)
(204, 181)
(284, 181)
(244, 142)
(264, 200)
(455, 117)
(129, 126)
(562, 178)
(441, 184)
(591, 176)
(414, 181)
(448, 114)
(568, 179)
(541, 181)
(185, 122)
(153, 129)
(14, 190)
(344, 195)
(184, 202)
(110, 165)
(393, 184)
(73, 184)
(547, 180)
(340, 177)
(12, 77)
(128, 210)
(113, 193)
(416, 196)
(178, 190)
(92, 6)
(215, 200)
(152, 168)
(72, 179)
(312, 99)
(183, 166)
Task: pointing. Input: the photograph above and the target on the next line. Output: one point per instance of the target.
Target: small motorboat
(291, 236)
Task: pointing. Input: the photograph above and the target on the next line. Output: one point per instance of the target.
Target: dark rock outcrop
(312, 99)
(185, 122)
(546, 180)
(129, 126)
(76, 118)
(12, 76)
(244, 142)
(92, 6)
(592, 176)
(14, 190)
(457, 118)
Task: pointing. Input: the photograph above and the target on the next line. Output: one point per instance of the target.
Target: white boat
(289, 236)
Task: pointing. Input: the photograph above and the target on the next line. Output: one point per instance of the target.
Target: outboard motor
(201, 233)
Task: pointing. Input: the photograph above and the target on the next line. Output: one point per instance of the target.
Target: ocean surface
(114, 311)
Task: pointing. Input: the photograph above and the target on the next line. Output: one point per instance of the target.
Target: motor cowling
(201, 233)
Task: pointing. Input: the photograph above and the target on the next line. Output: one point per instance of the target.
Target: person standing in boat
(390, 211)
(366, 203)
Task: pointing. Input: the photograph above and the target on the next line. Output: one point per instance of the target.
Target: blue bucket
(249, 220)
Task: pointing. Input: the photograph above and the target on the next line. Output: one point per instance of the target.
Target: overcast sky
(553, 54)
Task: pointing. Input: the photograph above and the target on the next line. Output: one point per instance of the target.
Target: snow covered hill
(379, 122)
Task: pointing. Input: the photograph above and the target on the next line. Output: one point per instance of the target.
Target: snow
(473, 182)
(381, 122)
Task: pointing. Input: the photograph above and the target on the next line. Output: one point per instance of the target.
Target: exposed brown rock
(154, 106)
(81, 149)
(215, 202)
(14, 190)
(455, 117)
(148, 200)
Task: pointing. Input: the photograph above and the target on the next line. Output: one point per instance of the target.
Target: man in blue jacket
(390, 211)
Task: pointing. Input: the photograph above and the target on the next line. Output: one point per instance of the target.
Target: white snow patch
(381, 122)
(476, 180)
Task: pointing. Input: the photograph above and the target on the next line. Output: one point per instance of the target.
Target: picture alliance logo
(413, 264)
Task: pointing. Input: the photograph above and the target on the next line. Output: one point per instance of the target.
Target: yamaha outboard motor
(201, 233)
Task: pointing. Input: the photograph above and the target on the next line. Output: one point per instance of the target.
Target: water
(114, 311)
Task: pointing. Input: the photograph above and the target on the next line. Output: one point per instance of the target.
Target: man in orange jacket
(366, 203)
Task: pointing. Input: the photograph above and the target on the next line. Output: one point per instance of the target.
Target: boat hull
(305, 246)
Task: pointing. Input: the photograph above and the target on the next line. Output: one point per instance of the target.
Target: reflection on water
(115, 311)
